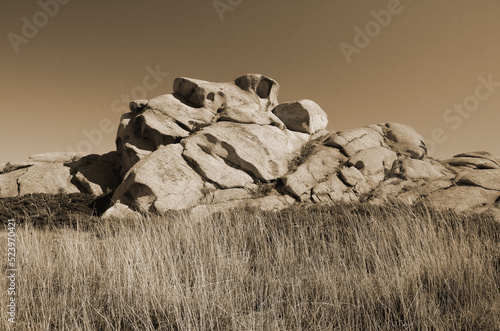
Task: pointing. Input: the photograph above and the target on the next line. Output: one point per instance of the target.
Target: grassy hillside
(322, 268)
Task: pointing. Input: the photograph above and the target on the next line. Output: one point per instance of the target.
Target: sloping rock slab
(415, 169)
(488, 179)
(249, 115)
(472, 162)
(480, 155)
(60, 157)
(231, 154)
(462, 198)
(356, 140)
(9, 167)
(180, 112)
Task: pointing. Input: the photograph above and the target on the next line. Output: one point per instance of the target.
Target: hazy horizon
(68, 76)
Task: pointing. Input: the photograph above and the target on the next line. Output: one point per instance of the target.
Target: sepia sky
(430, 64)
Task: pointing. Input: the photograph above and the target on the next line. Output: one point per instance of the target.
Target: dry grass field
(321, 268)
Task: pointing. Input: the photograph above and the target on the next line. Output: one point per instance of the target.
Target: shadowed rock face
(302, 116)
(212, 146)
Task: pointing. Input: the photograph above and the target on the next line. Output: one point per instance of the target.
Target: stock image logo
(32, 26)
(381, 19)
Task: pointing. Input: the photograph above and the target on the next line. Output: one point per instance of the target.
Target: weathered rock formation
(54, 173)
(212, 146)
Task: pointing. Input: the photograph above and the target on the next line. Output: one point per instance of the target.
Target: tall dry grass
(322, 268)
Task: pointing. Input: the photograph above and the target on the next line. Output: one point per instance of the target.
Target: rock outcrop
(212, 146)
(54, 173)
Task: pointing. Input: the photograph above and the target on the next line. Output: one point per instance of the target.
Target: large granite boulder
(47, 177)
(405, 140)
(302, 116)
(315, 169)
(264, 87)
(332, 190)
(160, 182)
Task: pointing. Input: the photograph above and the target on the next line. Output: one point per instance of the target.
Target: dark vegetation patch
(302, 156)
(51, 209)
(197, 126)
(263, 189)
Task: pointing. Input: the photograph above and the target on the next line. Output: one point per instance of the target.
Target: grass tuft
(303, 155)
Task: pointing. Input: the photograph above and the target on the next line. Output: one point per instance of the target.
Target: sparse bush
(197, 126)
(263, 189)
(302, 156)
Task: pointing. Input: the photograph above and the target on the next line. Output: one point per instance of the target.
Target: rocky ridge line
(212, 146)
